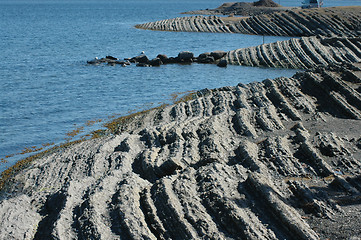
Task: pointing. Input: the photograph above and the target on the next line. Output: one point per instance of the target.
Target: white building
(312, 3)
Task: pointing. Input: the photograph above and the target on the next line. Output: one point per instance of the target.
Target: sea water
(47, 89)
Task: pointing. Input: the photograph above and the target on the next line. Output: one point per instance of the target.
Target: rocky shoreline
(266, 160)
(298, 53)
(328, 35)
(327, 22)
(278, 159)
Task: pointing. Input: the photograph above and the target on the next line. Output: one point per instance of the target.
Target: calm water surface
(46, 88)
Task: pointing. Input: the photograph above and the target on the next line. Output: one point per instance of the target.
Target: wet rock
(143, 65)
(140, 59)
(173, 60)
(163, 58)
(156, 62)
(104, 60)
(111, 58)
(94, 61)
(185, 56)
(218, 54)
(204, 55)
(208, 59)
(222, 63)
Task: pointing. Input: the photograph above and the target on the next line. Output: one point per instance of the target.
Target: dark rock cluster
(184, 57)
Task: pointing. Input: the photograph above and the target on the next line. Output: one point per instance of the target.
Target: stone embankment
(299, 53)
(278, 159)
(341, 21)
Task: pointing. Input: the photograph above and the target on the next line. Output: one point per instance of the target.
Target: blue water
(47, 89)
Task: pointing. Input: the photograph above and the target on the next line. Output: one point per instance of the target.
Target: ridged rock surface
(299, 53)
(278, 159)
(330, 22)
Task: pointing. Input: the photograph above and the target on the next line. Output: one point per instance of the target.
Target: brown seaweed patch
(30, 150)
(90, 123)
(114, 126)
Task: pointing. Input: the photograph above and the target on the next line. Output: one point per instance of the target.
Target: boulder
(222, 63)
(141, 59)
(204, 55)
(143, 65)
(173, 60)
(111, 58)
(185, 56)
(218, 54)
(208, 59)
(163, 58)
(156, 62)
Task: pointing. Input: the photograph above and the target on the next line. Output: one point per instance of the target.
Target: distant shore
(243, 9)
